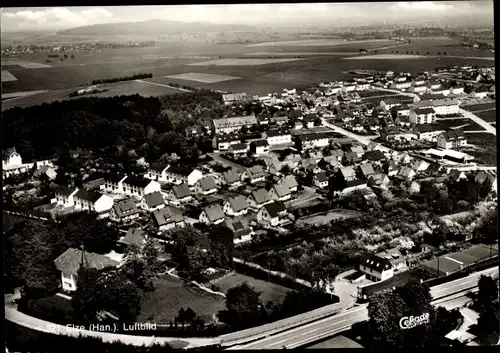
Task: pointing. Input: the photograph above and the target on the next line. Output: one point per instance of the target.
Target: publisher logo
(410, 322)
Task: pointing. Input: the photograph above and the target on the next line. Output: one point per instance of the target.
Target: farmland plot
(489, 116)
(201, 77)
(7, 76)
(242, 62)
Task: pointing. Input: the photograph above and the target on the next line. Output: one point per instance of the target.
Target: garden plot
(203, 78)
(327, 217)
(242, 62)
(7, 76)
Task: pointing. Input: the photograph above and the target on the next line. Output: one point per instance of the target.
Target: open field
(203, 78)
(327, 217)
(453, 123)
(281, 53)
(21, 94)
(385, 57)
(24, 64)
(319, 42)
(171, 294)
(241, 62)
(481, 106)
(488, 145)
(489, 116)
(269, 291)
(7, 76)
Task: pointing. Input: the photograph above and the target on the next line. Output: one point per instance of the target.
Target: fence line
(27, 215)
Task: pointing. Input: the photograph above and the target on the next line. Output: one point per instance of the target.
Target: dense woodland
(120, 79)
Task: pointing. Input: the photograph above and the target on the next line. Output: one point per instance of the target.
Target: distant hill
(154, 27)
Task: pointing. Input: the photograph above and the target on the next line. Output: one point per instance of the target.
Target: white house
(376, 268)
(253, 174)
(12, 163)
(179, 194)
(236, 206)
(258, 198)
(305, 142)
(69, 262)
(272, 214)
(114, 184)
(451, 139)
(11, 158)
(445, 106)
(124, 211)
(239, 148)
(400, 85)
(92, 201)
(422, 116)
(223, 142)
(206, 186)
(152, 202)
(135, 186)
(65, 197)
(321, 180)
(280, 192)
(212, 215)
(157, 171)
(167, 218)
(277, 137)
(259, 147)
(178, 175)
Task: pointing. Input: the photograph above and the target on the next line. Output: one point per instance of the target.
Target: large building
(451, 139)
(445, 106)
(420, 116)
(229, 125)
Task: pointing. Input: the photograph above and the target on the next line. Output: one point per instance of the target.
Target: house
(11, 158)
(259, 147)
(376, 156)
(405, 173)
(280, 192)
(157, 171)
(69, 262)
(292, 160)
(427, 132)
(65, 196)
(277, 137)
(167, 218)
(236, 206)
(380, 180)
(445, 106)
(291, 182)
(389, 133)
(279, 120)
(212, 215)
(401, 157)
(353, 185)
(92, 201)
(239, 148)
(320, 180)
(231, 98)
(273, 165)
(153, 201)
(135, 186)
(316, 156)
(114, 184)
(400, 110)
(179, 194)
(451, 139)
(391, 168)
(395, 258)
(272, 214)
(456, 175)
(241, 230)
(418, 89)
(365, 171)
(376, 268)
(206, 186)
(134, 237)
(254, 174)
(480, 93)
(351, 158)
(357, 149)
(178, 175)
(258, 198)
(389, 103)
(347, 174)
(232, 178)
(124, 211)
(419, 165)
(223, 142)
(400, 85)
(46, 170)
(423, 116)
(229, 125)
(308, 141)
(457, 90)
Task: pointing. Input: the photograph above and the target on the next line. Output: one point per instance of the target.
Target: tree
(87, 299)
(243, 303)
(487, 294)
(120, 296)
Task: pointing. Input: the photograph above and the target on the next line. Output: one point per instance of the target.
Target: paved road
(408, 94)
(218, 158)
(162, 85)
(479, 121)
(341, 322)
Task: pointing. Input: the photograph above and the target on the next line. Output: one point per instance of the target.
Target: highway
(330, 326)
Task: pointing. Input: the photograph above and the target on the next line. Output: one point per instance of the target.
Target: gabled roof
(227, 138)
(207, 183)
(281, 189)
(277, 132)
(260, 196)
(260, 143)
(214, 212)
(42, 170)
(235, 122)
(114, 178)
(167, 215)
(366, 169)
(355, 182)
(231, 176)
(125, 208)
(374, 155)
(451, 135)
(176, 170)
(69, 262)
(65, 191)
(275, 208)
(255, 172)
(321, 177)
(158, 167)
(378, 178)
(420, 111)
(405, 171)
(238, 147)
(134, 236)
(90, 196)
(154, 199)
(138, 182)
(181, 191)
(348, 172)
(352, 156)
(238, 203)
(376, 263)
(290, 181)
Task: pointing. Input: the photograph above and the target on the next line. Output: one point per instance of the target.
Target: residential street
(218, 158)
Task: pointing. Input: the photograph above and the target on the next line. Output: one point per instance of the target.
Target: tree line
(120, 79)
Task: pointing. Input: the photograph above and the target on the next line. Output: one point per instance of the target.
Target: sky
(56, 18)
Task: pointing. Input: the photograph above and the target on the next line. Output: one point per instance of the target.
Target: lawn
(269, 291)
(172, 294)
(325, 218)
(452, 123)
(489, 116)
(481, 106)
